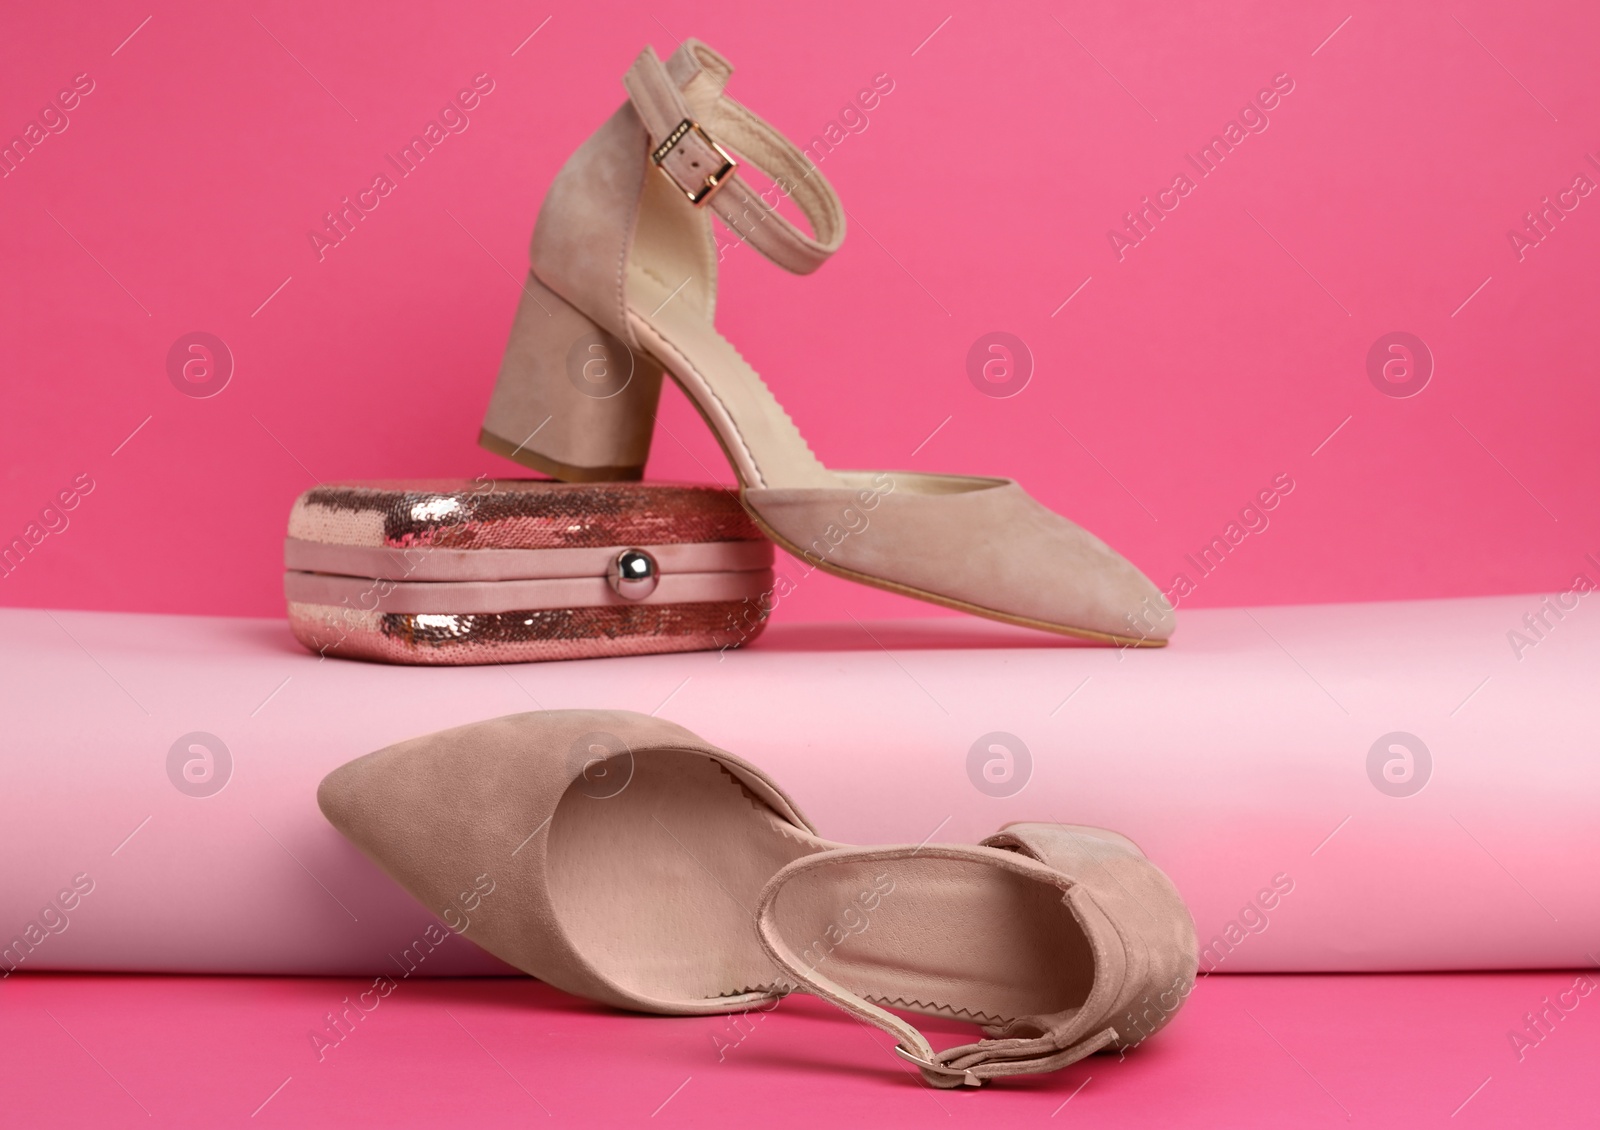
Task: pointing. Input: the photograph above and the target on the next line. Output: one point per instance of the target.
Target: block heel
(572, 400)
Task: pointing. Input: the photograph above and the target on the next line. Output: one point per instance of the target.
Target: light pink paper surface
(1238, 758)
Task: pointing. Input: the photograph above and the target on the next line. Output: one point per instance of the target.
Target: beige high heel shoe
(623, 288)
(621, 858)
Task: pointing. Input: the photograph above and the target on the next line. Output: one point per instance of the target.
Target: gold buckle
(967, 1077)
(713, 181)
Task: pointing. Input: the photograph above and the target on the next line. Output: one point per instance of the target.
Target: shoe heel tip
(566, 472)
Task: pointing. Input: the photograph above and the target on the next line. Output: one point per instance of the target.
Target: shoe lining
(656, 886)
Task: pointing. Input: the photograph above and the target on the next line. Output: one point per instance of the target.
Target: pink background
(1222, 352)
(1308, 1052)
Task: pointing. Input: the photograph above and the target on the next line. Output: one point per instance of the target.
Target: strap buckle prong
(700, 193)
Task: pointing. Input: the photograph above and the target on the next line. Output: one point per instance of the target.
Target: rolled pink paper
(1401, 786)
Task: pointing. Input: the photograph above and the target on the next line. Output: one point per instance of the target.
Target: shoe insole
(947, 937)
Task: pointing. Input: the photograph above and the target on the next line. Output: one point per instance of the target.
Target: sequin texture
(517, 514)
(523, 637)
(521, 514)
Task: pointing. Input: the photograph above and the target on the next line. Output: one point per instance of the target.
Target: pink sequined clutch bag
(513, 570)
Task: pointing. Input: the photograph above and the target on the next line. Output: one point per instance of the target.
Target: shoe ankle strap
(1061, 1039)
(689, 119)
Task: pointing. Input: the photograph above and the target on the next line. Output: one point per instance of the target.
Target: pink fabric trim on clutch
(364, 594)
(432, 563)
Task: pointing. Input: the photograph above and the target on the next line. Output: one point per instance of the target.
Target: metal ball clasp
(633, 574)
